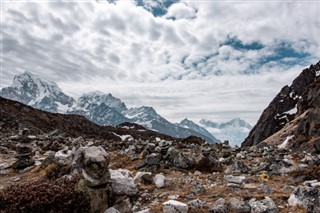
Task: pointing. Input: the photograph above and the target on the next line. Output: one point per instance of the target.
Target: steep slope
(235, 130)
(283, 108)
(150, 119)
(30, 89)
(188, 124)
(103, 109)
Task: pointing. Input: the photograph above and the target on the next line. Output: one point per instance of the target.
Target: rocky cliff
(289, 103)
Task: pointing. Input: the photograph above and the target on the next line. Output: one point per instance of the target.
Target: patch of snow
(318, 73)
(62, 108)
(124, 137)
(285, 142)
(292, 111)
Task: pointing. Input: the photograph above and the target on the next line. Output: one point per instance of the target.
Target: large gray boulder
(306, 197)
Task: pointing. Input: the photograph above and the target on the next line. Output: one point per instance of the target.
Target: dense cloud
(215, 60)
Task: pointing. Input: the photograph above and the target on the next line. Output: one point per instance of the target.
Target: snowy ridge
(32, 90)
(235, 130)
(99, 107)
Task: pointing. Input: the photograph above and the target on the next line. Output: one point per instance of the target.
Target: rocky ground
(155, 175)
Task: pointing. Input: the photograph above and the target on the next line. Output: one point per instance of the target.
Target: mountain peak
(95, 98)
(27, 77)
(35, 91)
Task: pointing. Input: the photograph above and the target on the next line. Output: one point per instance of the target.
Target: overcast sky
(197, 59)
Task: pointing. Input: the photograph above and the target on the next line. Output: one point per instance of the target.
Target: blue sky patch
(238, 45)
(161, 6)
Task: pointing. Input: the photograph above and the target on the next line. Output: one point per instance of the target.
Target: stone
(310, 182)
(262, 206)
(123, 204)
(237, 168)
(112, 210)
(153, 159)
(239, 206)
(64, 157)
(220, 206)
(23, 163)
(265, 189)
(145, 211)
(196, 204)
(94, 162)
(197, 173)
(122, 183)
(173, 206)
(235, 185)
(160, 180)
(140, 165)
(234, 179)
(151, 147)
(143, 177)
(209, 164)
(198, 188)
(307, 197)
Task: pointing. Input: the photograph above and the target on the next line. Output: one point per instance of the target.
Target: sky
(197, 59)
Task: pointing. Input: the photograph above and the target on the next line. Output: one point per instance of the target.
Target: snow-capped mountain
(94, 99)
(188, 124)
(103, 109)
(32, 90)
(149, 118)
(235, 130)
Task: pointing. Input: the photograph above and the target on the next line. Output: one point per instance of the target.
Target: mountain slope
(235, 130)
(15, 114)
(30, 89)
(284, 107)
(103, 109)
(188, 124)
(149, 118)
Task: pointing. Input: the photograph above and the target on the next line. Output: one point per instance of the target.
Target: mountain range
(103, 109)
(235, 130)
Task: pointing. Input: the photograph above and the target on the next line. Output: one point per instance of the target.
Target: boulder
(307, 197)
(153, 159)
(234, 179)
(122, 183)
(239, 206)
(220, 206)
(160, 180)
(173, 206)
(64, 157)
(264, 205)
(209, 164)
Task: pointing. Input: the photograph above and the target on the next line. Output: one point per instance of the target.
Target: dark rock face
(310, 125)
(277, 114)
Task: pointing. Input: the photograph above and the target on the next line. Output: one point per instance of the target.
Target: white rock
(197, 173)
(64, 157)
(234, 179)
(173, 206)
(293, 200)
(160, 180)
(145, 211)
(138, 177)
(310, 182)
(122, 183)
(173, 197)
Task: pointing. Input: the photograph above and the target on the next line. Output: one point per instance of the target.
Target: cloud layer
(215, 60)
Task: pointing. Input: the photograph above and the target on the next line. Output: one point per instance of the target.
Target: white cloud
(182, 67)
(180, 11)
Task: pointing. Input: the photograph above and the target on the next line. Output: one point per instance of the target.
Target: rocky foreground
(51, 172)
